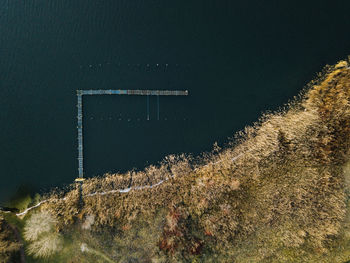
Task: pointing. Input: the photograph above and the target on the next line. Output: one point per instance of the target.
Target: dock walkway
(80, 94)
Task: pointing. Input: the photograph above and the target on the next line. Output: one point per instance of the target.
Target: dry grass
(8, 243)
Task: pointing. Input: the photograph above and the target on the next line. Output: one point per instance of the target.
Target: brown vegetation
(279, 194)
(9, 245)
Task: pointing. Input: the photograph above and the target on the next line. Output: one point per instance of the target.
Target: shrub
(46, 246)
(40, 231)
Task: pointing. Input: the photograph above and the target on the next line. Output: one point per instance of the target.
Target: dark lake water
(236, 58)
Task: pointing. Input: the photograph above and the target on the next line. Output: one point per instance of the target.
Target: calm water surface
(236, 58)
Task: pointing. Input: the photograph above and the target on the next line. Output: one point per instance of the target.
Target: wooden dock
(80, 94)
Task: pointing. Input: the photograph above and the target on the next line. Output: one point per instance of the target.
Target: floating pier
(80, 94)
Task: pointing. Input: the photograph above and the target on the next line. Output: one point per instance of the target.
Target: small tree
(40, 230)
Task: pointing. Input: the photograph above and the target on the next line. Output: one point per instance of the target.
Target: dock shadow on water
(118, 135)
(277, 193)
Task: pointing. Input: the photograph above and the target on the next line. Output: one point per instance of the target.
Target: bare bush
(40, 230)
(46, 246)
(38, 224)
